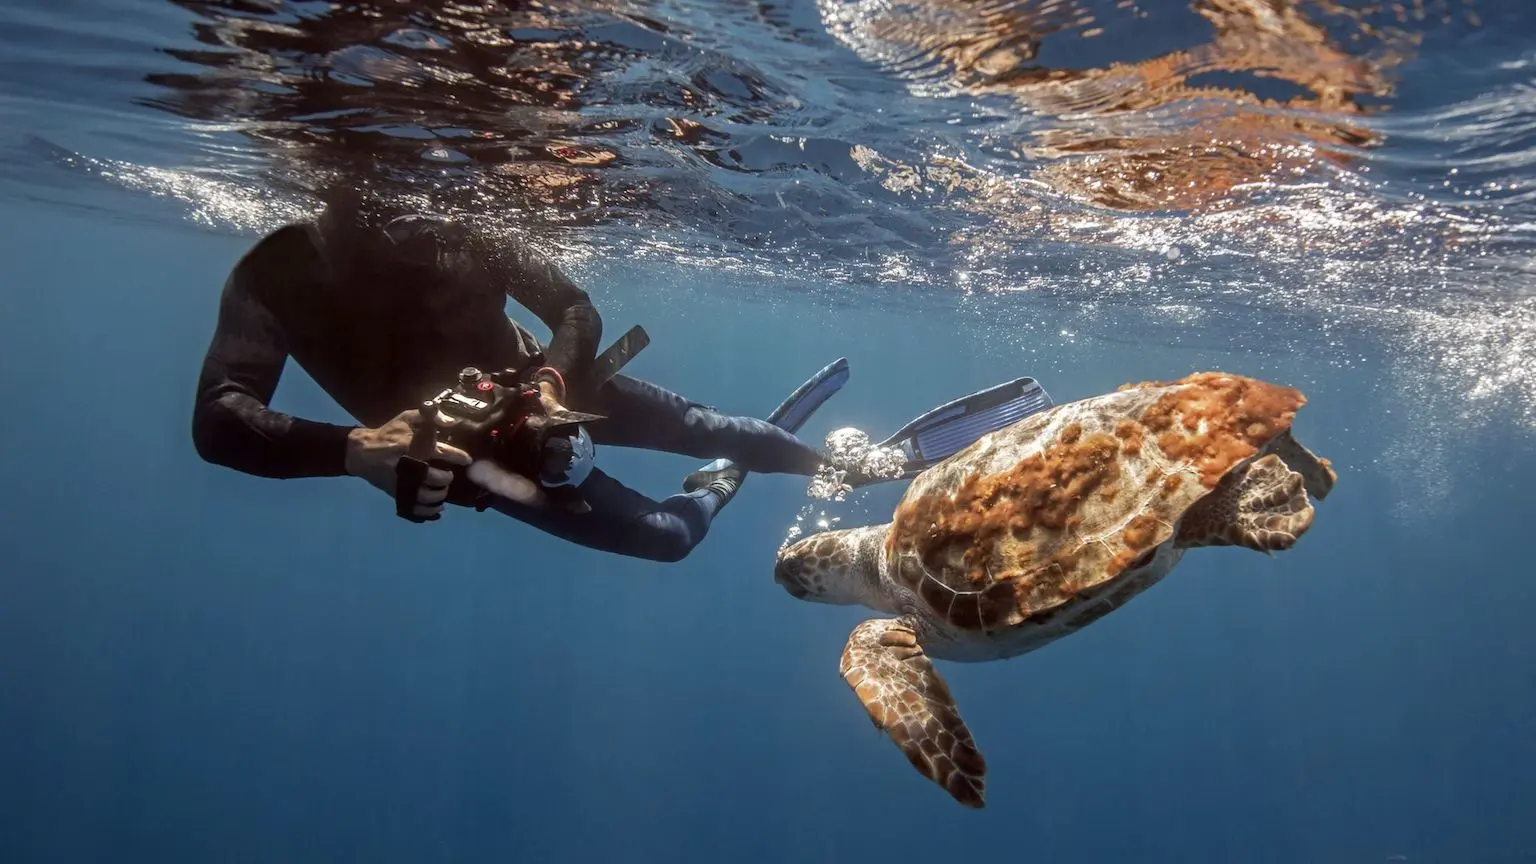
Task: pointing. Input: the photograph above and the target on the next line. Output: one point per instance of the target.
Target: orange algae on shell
(1214, 421)
(1140, 537)
(1171, 484)
(1008, 541)
(1130, 434)
(956, 534)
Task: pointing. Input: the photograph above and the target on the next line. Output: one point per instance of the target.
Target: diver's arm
(538, 285)
(231, 423)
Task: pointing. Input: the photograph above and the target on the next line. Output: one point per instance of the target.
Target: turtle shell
(1064, 501)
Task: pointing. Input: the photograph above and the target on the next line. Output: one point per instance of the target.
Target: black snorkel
(499, 417)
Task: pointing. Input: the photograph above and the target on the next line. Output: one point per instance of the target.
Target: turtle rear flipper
(1262, 506)
(1316, 473)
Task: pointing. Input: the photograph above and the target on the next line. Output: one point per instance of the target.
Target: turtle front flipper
(886, 666)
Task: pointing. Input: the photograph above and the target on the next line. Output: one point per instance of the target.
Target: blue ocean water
(196, 665)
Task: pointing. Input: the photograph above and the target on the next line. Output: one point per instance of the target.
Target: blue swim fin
(801, 404)
(797, 408)
(954, 426)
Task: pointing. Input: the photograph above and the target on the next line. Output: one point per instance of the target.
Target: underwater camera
(498, 416)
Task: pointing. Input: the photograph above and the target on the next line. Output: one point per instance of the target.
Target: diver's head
(369, 235)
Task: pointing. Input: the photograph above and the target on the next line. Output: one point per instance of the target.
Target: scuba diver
(395, 313)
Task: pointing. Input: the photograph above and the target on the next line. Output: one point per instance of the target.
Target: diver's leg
(649, 417)
(625, 522)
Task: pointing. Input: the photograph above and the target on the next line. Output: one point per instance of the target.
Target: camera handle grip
(411, 470)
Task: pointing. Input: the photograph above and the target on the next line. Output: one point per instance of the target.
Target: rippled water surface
(1344, 184)
(1322, 172)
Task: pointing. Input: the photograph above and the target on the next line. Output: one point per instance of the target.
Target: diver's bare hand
(373, 453)
(549, 397)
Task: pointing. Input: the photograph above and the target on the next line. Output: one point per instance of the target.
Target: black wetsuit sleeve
(539, 286)
(231, 423)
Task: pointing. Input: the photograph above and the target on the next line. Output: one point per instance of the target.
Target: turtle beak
(788, 573)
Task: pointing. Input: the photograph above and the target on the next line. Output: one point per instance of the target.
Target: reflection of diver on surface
(385, 310)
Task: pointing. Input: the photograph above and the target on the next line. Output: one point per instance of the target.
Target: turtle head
(834, 567)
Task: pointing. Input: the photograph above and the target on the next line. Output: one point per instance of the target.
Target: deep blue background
(201, 666)
(198, 665)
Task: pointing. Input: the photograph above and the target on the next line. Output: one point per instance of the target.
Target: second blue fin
(954, 426)
(801, 404)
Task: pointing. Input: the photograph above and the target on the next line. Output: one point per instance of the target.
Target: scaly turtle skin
(1041, 528)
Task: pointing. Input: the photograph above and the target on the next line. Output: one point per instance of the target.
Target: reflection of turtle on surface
(1039, 529)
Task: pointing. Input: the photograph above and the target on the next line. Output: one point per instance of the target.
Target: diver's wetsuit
(381, 335)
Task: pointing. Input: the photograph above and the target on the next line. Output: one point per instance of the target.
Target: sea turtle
(1043, 527)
